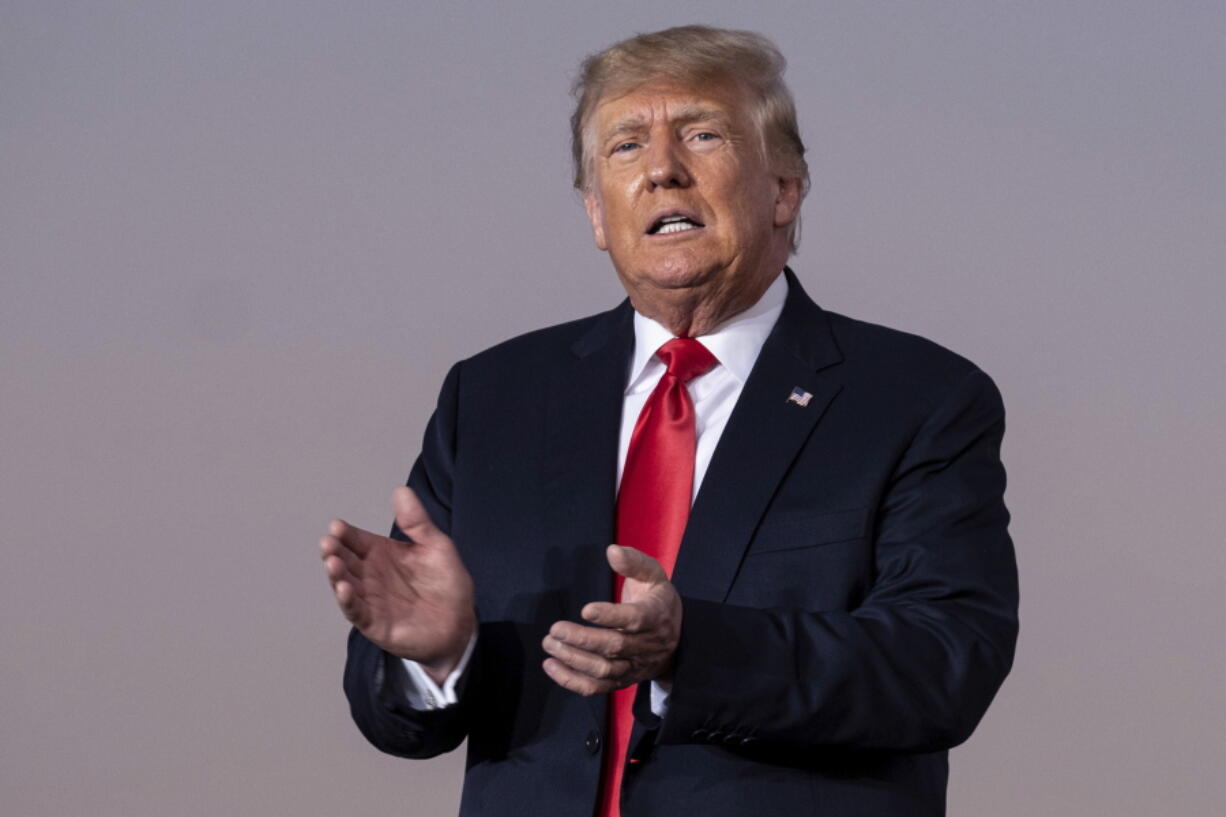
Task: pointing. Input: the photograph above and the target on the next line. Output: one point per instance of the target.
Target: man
(835, 610)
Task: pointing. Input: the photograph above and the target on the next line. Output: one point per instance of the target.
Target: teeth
(676, 227)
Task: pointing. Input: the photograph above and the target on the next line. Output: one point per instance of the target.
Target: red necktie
(653, 505)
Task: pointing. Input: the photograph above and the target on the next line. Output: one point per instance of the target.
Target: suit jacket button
(592, 742)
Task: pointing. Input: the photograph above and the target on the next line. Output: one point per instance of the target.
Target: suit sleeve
(914, 667)
(379, 709)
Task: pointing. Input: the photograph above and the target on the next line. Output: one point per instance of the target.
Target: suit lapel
(583, 418)
(763, 436)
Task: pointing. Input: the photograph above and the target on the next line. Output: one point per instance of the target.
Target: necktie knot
(686, 358)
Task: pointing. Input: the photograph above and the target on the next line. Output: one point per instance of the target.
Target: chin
(683, 272)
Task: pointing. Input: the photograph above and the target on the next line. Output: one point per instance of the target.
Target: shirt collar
(735, 343)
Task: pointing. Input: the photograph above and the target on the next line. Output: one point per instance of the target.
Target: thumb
(635, 564)
(412, 518)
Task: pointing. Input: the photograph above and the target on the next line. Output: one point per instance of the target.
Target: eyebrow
(685, 114)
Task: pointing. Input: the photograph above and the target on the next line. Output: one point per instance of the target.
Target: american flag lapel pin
(800, 397)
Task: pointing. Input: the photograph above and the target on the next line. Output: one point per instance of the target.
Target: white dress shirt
(736, 344)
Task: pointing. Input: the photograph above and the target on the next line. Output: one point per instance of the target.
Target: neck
(692, 312)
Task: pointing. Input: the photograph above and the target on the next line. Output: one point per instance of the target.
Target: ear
(787, 202)
(595, 214)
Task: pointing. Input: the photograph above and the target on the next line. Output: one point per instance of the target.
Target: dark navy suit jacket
(848, 582)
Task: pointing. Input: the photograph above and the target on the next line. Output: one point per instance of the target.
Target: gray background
(242, 241)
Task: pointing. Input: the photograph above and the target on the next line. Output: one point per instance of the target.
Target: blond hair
(697, 54)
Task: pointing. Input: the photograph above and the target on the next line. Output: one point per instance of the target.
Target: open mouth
(675, 223)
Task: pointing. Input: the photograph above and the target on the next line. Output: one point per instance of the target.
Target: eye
(703, 139)
(625, 147)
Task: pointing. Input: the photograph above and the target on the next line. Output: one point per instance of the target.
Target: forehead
(670, 100)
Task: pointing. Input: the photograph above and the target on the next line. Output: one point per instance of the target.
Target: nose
(665, 167)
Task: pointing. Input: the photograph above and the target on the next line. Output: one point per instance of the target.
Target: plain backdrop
(241, 242)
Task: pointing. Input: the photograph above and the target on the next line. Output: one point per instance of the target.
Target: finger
(586, 663)
(331, 546)
(627, 617)
(635, 564)
(358, 540)
(351, 604)
(412, 518)
(338, 571)
(609, 643)
(567, 678)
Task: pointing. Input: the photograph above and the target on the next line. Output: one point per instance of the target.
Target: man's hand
(413, 599)
(634, 640)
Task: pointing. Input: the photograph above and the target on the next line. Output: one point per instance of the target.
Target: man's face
(681, 197)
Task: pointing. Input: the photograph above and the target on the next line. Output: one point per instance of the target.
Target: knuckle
(617, 644)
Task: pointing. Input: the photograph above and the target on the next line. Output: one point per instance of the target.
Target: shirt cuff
(422, 692)
(660, 691)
